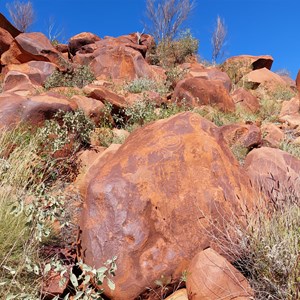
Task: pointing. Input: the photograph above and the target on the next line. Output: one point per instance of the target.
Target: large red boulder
(153, 202)
(5, 40)
(298, 82)
(212, 277)
(34, 110)
(245, 100)
(274, 171)
(238, 66)
(17, 82)
(32, 46)
(198, 91)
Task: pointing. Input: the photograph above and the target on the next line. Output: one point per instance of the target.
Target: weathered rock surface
(212, 277)
(34, 110)
(298, 82)
(179, 295)
(272, 135)
(289, 113)
(5, 40)
(238, 66)
(5, 24)
(199, 91)
(79, 40)
(18, 83)
(273, 170)
(245, 100)
(150, 202)
(32, 46)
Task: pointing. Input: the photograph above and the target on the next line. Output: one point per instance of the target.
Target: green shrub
(79, 76)
(143, 84)
(170, 53)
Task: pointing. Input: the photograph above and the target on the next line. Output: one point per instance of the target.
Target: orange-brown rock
(262, 76)
(238, 66)
(53, 286)
(101, 93)
(34, 110)
(17, 82)
(150, 202)
(197, 70)
(289, 113)
(37, 71)
(91, 107)
(272, 135)
(5, 24)
(245, 100)
(32, 46)
(212, 277)
(274, 171)
(199, 91)
(5, 40)
(179, 295)
(298, 82)
(79, 40)
(246, 135)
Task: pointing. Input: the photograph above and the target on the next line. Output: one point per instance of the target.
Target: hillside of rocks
(160, 167)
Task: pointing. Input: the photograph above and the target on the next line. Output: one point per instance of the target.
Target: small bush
(143, 84)
(170, 53)
(79, 77)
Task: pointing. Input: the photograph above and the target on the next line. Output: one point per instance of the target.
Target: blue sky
(255, 27)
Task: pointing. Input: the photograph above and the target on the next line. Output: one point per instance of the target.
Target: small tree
(21, 13)
(218, 39)
(166, 17)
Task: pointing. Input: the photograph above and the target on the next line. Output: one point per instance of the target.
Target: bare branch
(166, 17)
(218, 39)
(21, 13)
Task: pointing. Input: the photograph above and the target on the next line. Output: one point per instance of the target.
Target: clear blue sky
(255, 27)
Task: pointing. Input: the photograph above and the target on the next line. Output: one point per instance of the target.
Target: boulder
(298, 82)
(103, 94)
(37, 71)
(79, 40)
(34, 110)
(238, 66)
(211, 276)
(245, 100)
(245, 135)
(5, 40)
(272, 135)
(289, 113)
(18, 83)
(178, 295)
(153, 201)
(262, 76)
(198, 91)
(32, 46)
(273, 171)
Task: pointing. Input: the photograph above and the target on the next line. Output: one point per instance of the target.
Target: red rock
(244, 99)
(238, 66)
(37, 71)
(178, 295)
(6, 25)
(248, 135)
(290, 107)
(80, 40)
(104, 95)
(211, 276)
(273, 170)
(5, 40)
(34, 110)
(149, 203)
(298, 82)
(32, 46)
(91, 107)
(262, 76)
(198, 92)
(272, 135)
(53, 285)
(15, 81)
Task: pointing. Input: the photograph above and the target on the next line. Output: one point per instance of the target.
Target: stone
(32, 46)
(6, 25)
(18, 83)
(178, 295)
(298, 82)
(262, 76)
(52, 285)
(103, 94)
(272, 135)
(211, 276)
(150, 202)
(37, 71)
(245, 100)
(33, 110)
(290, 107)
(238, 66)
(91, 107)
(246, 135)
(273, 171)
(5, 40)
(79, 40)
(199, 91)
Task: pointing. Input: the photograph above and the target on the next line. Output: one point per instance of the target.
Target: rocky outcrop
(211, 276)
(245, 100)
(79, 40)
(198, 91)
(152, 201)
